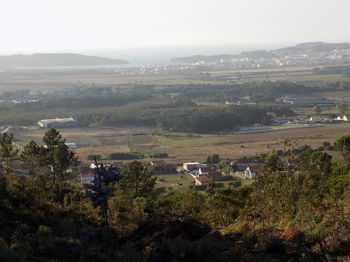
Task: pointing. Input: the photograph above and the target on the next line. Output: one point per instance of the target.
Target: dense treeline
(342, 70)
(188, 117)
(288, 214)
(156, 106)
(175, 114)
(260, 91)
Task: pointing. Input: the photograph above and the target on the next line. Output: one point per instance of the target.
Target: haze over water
(163, 55)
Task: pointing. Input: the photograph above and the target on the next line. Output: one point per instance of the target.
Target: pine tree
(8, 152)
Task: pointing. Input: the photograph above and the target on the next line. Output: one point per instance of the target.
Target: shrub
(126, 156)
(158, 155)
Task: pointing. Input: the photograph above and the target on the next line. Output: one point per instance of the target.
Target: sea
(163, 55)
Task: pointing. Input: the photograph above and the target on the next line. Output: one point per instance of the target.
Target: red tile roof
(203, 179)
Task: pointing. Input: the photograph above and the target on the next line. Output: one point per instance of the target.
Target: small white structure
(59, 122)
(71, 145)
(344, 118)
(93, 166)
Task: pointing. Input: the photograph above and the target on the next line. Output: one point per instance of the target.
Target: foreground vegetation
(290, 213)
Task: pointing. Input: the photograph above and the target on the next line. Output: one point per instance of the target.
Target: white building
(193, 166)
(71, 145)
(57, 122)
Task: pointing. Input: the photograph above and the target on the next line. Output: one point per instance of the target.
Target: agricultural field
(183, 147)
(57, 80)
(298, 74)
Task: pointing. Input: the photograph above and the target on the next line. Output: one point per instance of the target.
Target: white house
(250, 172)
(192, 165)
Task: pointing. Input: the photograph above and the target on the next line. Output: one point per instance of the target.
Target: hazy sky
(60, 25)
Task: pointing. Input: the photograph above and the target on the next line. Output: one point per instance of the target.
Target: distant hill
(48, 60)
(312, 48)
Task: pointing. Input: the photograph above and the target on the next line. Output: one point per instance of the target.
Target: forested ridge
(182, 115)
(290, 213)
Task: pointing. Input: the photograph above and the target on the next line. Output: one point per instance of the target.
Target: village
(221, 173)
(199, 174)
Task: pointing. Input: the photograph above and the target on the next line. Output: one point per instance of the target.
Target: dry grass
(174, 182)
(184, 147)
(56, 82)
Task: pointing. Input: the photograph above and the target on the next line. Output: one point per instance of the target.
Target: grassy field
(259, 70)
(57, 82)
(174, 182)
(183, 147)
(302, 74)
(191, 82)
(179, 182)
(43, 81)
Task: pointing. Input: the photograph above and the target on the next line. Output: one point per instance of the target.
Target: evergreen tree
(33, 157)
(342, 144)
(59, 158)
(8, 152)
(137, 181)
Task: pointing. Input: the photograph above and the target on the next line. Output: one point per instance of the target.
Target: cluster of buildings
(314, 119)
(309, 101)
(276, 58)
(202, 173)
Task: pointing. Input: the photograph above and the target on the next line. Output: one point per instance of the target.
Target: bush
(158, 155)
(236, 183)
(126, 156)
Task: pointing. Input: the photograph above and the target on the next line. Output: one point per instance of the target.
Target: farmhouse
(58, 122)
(205, 178)
(204, 170)
(250, 172)
(246, 167)
(243, 163)
(193, 166)
(201, 180)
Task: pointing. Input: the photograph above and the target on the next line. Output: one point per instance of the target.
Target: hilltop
(56, 59)
(304, 53)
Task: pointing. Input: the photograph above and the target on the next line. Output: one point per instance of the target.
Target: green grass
(173, 181)
(191, 81)
(340, 94)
